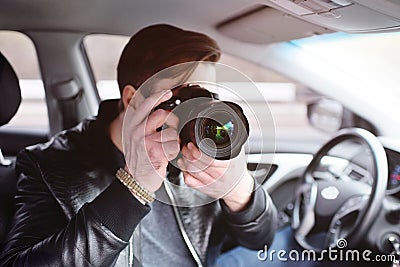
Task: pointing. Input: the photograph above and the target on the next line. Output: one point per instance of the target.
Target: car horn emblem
(330, 192)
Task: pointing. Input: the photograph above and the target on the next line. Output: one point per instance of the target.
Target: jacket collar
(98, 132)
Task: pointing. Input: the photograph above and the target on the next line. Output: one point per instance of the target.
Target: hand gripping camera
(218, 128)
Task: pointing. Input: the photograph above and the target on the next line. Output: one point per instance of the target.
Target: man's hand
(147, 151)
(228, 179)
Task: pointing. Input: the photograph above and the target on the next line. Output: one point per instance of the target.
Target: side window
(287, 99)
(103, 52)
(20, 52)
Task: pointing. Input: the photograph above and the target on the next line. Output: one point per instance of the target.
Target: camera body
(218, 128)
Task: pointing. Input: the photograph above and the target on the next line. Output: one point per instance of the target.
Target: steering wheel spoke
(345, 219)
(304, 207)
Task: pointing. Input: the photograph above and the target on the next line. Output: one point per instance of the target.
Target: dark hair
(157, 47)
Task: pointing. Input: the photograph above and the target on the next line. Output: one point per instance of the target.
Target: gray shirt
(157, 241)
(161, 241)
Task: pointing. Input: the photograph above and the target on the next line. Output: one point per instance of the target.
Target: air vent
(357, 173)
(261, 172)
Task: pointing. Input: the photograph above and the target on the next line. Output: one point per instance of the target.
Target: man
(73, 211)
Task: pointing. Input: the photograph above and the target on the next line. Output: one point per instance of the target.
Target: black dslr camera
(218, 128)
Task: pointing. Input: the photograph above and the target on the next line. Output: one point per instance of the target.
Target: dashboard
(285, 166)
(280, 172)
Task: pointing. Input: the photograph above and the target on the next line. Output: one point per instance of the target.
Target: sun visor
(263, 25)
(352, 16)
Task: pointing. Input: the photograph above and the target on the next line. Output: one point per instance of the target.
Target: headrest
(10, 92)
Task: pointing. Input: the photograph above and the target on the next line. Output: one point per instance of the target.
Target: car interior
(328, 71)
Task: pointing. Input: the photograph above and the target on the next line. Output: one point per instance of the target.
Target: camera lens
(221, 130)
(218, 128)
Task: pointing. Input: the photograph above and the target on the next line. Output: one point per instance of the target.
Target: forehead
(202, 73)
(205, 71)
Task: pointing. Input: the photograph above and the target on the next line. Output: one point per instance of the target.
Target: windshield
(371, 59)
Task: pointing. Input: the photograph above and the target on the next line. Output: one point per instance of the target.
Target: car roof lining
(100, 15)
(125, 17)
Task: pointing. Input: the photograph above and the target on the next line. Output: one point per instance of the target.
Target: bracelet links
(133, 185)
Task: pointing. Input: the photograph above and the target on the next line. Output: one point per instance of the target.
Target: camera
(218, 128)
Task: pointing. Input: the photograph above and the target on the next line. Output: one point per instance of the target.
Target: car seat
(10, 99)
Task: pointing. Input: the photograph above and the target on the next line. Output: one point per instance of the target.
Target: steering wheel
(337, 213)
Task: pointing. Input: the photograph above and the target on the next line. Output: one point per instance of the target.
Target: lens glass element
(220, 134)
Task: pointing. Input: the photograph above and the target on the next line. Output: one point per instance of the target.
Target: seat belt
(69, 95)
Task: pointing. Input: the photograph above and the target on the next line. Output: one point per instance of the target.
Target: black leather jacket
(71, 211)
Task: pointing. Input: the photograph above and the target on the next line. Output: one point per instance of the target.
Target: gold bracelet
(134, 186)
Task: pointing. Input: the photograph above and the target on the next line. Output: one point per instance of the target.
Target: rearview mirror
(325, 115)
